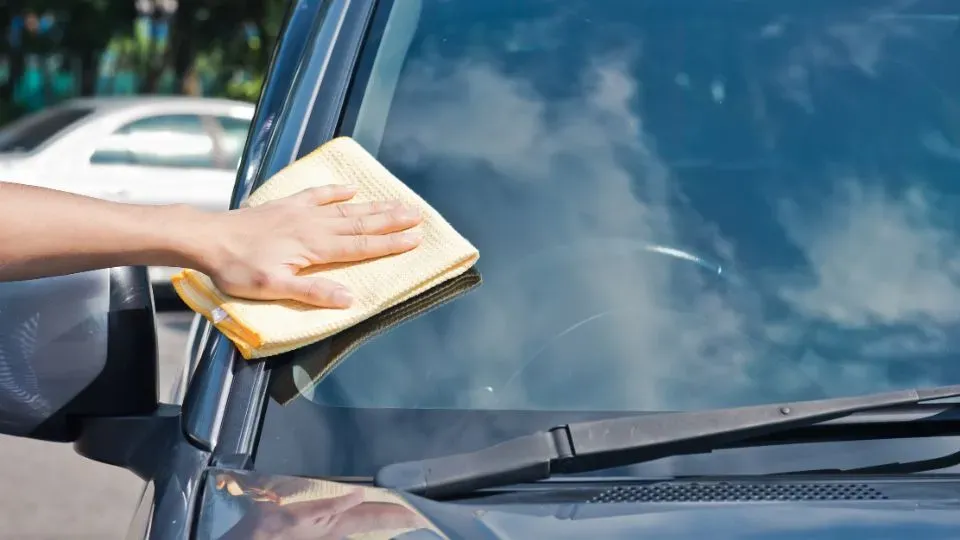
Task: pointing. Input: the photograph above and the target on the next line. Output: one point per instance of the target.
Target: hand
(259, 251)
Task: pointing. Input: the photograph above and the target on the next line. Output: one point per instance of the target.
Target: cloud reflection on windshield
(566, 161)
(831, 218)
(584, 168)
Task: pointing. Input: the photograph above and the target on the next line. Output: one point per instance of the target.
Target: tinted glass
(27, 134)
(178, 141)
(234, 137)
(678, 205)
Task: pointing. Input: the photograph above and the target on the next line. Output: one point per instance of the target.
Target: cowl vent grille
(738, 492)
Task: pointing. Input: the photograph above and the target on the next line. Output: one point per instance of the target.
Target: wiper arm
(602, 444)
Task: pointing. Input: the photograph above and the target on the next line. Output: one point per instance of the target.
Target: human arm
(250, 253)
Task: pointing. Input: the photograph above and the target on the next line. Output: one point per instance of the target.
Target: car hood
(239, 504)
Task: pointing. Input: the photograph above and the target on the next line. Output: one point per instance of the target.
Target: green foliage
(246, 90)
(211, 47)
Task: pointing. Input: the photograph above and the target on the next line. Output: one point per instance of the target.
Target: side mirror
(75, 348)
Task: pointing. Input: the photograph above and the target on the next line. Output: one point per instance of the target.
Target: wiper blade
(590, 446)
(896, 467)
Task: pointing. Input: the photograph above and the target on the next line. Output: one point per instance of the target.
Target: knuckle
(332, 251)
(261, 280)
(398, 242)
(360, 226)
(316, 291)
(326, 253)
(362, 244)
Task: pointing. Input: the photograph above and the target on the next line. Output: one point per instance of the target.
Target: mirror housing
(75, 348)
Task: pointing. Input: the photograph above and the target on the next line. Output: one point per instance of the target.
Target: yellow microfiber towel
(266, 328)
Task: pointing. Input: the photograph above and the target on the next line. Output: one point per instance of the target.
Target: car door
(164, 158)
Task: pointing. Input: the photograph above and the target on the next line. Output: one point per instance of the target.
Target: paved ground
(51, 493)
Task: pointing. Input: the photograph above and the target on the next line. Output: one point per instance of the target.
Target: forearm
(45, 232)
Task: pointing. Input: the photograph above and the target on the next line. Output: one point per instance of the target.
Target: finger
(319, 196)
(377, 516)
(359, 209)
(316, 509)
(292, 485)
(382, 223)
(339, 249)
(315, 291)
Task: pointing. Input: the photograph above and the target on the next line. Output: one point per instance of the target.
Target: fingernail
(407, 213)
(342, 297)
(411, 238)
(348, 188)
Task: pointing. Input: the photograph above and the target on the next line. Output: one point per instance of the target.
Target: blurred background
(59, 49)
(145, 101)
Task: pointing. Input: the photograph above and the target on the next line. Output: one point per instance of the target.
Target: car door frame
(225, 397)
(314, 106)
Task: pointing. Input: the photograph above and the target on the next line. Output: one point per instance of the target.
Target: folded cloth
(265, 328)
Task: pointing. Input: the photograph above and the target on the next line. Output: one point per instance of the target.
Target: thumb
(315, 291)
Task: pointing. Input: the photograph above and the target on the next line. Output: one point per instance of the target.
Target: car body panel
(236, 503)
(228, 425)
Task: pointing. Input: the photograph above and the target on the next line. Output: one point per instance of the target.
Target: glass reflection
(809, 149)
(309, 366)
(806, 149)
(246, 506)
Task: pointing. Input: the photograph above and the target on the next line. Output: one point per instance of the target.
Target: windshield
(678, 205)
(30, 132)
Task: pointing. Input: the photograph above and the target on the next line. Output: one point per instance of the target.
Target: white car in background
(143, 149)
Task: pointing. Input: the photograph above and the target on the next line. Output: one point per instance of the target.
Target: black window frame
(303, 90)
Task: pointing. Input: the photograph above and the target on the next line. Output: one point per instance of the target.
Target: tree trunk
(149, 70)
(89, 71)
(182, 49)
(15, 66)
(258, 16)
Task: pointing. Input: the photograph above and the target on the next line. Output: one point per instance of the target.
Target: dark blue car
(718, 293)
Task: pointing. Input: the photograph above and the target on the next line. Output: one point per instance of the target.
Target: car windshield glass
(28, 133)
(678, 205)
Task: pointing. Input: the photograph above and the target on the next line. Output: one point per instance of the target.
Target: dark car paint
(225, 400)
(821, 509)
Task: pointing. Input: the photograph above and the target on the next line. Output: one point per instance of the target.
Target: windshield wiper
(896, 467)
(590, 446)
